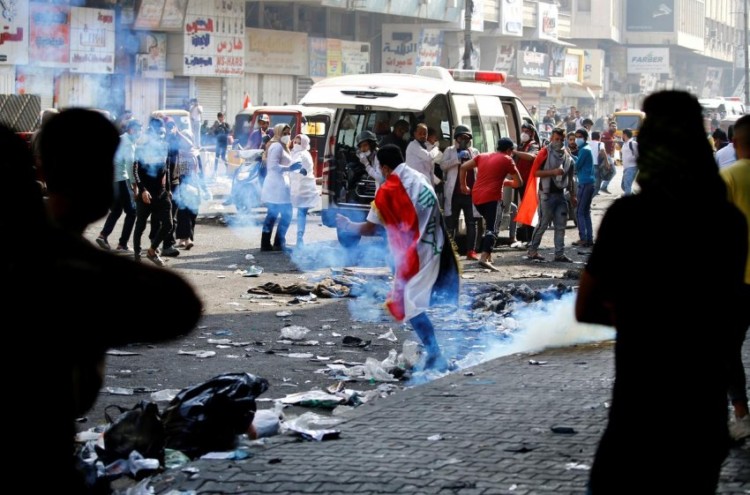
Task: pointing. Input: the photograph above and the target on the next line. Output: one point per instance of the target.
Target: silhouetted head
(77, 149)
(675, 157)
(390, 157)
(22, 202)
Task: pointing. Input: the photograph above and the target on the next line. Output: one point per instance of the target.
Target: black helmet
(366, 136)
(462, 130)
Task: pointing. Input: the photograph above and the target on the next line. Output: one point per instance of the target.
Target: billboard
(649, 16)
(650, 60)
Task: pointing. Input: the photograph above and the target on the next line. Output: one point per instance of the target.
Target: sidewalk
(495, 437)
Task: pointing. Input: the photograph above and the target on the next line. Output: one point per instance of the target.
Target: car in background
(312, 121)
(181, 118)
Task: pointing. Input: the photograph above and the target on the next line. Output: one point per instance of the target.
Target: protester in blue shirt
(586, 178)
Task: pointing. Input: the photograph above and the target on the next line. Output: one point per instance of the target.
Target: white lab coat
(450, 165)
(276, 187)
(303, 188)
(422, 160)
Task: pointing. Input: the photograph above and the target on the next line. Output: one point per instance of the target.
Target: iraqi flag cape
(426, 263)
(528, 212)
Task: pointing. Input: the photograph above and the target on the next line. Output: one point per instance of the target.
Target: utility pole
(747, 62)
(468, 47)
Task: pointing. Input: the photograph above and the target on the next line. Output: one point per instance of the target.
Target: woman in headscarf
(671, 350)
(276, 193)
(303, 189)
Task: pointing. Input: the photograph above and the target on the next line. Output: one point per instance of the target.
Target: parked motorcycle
(246, 184)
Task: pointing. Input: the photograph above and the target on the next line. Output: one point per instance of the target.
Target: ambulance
(439, 97)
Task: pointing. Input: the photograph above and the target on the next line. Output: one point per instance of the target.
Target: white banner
(400, 48)
(547, 21)
(355, 57)
(276, 52)
(14, 34)
(648, 60)
(511, 17)
(92, 40)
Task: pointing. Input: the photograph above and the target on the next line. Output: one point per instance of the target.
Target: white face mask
(285, 139)
(362, 155)
(297, 147)
(524, 137)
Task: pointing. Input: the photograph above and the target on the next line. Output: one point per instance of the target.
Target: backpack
(630, 145)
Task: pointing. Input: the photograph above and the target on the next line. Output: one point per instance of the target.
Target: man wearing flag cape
(426, 269)
(552, 173)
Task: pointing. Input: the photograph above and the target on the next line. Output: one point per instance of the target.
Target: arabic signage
(173, 15)
(429, 52)
(547, 21)
(400, 48)
(149, 14)
(276, 52)
(14, 36)
(648, 60)
(439, 10)
(333, 58)
(49, 28)
(511, 17)
(650, 16)
(506, 55)
(92, 40)
(214, 39)
(532, 65)
(573, 66)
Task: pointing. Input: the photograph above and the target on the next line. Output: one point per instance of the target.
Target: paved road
(486, 429)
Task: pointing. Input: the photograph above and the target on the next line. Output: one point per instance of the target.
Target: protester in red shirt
(492, 170)
(609, 137)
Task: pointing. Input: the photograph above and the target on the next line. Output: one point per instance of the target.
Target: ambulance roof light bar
(483, 76)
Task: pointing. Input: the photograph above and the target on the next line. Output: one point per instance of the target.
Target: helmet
(264, 117)
(366, 136)
(461, 130)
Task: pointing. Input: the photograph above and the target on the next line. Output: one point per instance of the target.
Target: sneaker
(564, 259)
(122, 249)
(740, 428)
(170, 251)
(189, 245)
(102, 242)
(580, 242)
(155, 259)
(471, 255)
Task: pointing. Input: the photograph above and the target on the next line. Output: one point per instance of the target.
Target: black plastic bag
(208, 417)
(139, 428)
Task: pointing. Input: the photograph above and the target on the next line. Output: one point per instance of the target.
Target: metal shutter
(303, 86)
(7, 79)
(178, 93)
(143, 97)
(209, 92)
(278, 90)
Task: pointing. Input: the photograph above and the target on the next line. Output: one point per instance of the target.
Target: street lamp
(468, 48)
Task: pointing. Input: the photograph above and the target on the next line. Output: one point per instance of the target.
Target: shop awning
(533, 83)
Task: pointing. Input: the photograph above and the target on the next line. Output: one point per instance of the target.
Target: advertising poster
(511, 17)
(355, 57)
(173, 15)
(333, 58)
(318, 57)
(92, 40)
(506, 55)
(149, 14)
(49, 27)
(593, 67)
(152, 53)
(649, 16)
(547, 18)
(14, 35)
(532, 65)
(400, 49)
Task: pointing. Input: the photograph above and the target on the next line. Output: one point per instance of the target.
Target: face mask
(285, 139)
(297, 147)
(556, 146)
(524, 137)
(580, 142)
(362, 155)
(405, 137)
(463, 144)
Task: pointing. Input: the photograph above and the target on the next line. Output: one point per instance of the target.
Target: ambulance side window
(467, 114)
(494, 122)
(437, 116)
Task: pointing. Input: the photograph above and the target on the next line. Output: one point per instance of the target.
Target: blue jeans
(553, 209)
(276, 210)
(583, 212)
(628, 177)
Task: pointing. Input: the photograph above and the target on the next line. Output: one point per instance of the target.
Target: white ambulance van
(438, 97)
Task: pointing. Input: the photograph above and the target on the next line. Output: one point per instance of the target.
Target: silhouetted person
(93, 300)
(674, 314)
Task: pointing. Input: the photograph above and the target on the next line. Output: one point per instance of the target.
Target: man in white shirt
(629, 153)
(421, 155)
(196, 117)
(727, 155)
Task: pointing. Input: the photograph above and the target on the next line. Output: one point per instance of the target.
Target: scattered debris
(198, 354)
(115, 352)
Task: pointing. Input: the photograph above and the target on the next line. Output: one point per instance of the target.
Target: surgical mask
(524, 137)
(297, 147)
(556, 146)
(580, 142)
(285, 139)
(406, 136)
(362, 155)
(462, 144)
